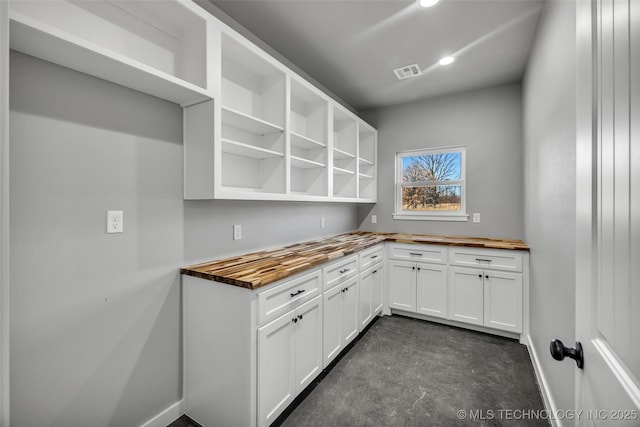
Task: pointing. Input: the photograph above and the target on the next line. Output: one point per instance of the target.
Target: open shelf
(341, 154)
(304, 142)
(345, 133)
(157, 48)
(365, 176)
(247, 150)
(303, 163)
(340, 171)
(365, 162)
(248, 123)
(251, 84)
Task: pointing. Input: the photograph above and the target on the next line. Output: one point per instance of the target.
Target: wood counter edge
(474, 242)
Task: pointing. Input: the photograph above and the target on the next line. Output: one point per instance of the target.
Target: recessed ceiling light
(428, 3)
(446, 60)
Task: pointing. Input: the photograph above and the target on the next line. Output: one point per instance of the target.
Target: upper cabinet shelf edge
(159, 50)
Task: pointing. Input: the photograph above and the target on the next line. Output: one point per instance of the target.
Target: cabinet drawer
(289, 295)
(493, 259)
(417, 252)
(371, 256)
(340, 271)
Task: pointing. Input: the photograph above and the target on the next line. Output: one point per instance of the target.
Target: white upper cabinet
(253, 128)
(159, 48)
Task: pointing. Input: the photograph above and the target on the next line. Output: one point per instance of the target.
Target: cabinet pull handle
(483, 260)
(294, 320)
(415, 254)
(374, 271)
(300, 316)
(297, 293)
(344, 270)
(374, 256)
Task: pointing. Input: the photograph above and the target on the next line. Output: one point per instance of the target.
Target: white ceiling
(352, 46)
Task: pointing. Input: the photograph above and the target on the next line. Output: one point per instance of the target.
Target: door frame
(585, 167)
(4, 213)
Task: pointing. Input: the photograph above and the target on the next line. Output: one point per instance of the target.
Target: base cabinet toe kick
(248, 353)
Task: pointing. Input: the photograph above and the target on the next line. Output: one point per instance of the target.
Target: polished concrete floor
(407, 372)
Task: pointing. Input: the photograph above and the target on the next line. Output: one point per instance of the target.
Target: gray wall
(489, 123)
(550, 153)
(95, 318)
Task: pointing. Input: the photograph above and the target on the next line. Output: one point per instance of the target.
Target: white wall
(550, 153)
(489, 123)
(95, 318)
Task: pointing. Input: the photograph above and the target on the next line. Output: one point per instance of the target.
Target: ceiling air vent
(407, 71)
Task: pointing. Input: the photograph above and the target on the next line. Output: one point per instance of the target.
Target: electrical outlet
(237, 232)
(476, 217)
(115, 222)
(322, 222)
(374, 219)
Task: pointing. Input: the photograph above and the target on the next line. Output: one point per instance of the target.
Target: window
(430, 184)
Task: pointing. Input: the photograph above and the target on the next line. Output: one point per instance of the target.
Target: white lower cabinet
(418, 287)
(371, 284)
(289, 358)
(340, 318)
(486, 298)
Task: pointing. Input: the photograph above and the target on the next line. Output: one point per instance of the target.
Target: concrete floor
(407, 372)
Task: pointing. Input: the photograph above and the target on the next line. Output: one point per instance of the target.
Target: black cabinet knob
(486, 277)
(480, 276)
(559, 352)
(295, 320)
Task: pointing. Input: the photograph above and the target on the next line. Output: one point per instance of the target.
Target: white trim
(167, 416)
(620, 371)
(430, 217)
(4, 214)
(549, 403)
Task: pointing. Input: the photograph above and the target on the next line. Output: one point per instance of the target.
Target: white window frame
(460, 215)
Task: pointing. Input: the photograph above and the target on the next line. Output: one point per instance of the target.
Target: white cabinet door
(366, 295)
(402, 285)
(332, 307)
(308, 342)
(503, 300)
(431, 283)
(466, 295)
(377, 287)
(349, 324)
(276, 362)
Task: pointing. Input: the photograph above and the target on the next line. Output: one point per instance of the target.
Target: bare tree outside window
(431, 182)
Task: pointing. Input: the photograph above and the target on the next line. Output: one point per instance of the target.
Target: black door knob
(559, 352)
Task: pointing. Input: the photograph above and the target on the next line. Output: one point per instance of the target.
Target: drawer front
(418, 252)
(371, 257)
(340, 271)
(287, 296)
(492, 259)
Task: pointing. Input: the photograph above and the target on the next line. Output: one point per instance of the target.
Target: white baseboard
(166, 417)
(549, 403)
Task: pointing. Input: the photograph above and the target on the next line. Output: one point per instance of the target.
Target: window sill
(452, 217)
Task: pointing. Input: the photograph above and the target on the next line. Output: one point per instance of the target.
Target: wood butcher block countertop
(258, 269)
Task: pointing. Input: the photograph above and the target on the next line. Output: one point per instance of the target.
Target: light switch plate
(476, 217)
(374, 219)
(237, 232)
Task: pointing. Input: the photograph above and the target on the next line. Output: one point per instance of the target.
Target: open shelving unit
(157, 48)
(308, 119)
(252, 120)
(367, 147)
(345, 145)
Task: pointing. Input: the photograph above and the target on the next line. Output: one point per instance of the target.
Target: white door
(503, 300)
(466, 295)
(608, 212)
(366, 288)
(308, 342)
(349, 324)
(332, 317)
(431, 283)
(377, 287)
(276, 362)
(402, 285)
